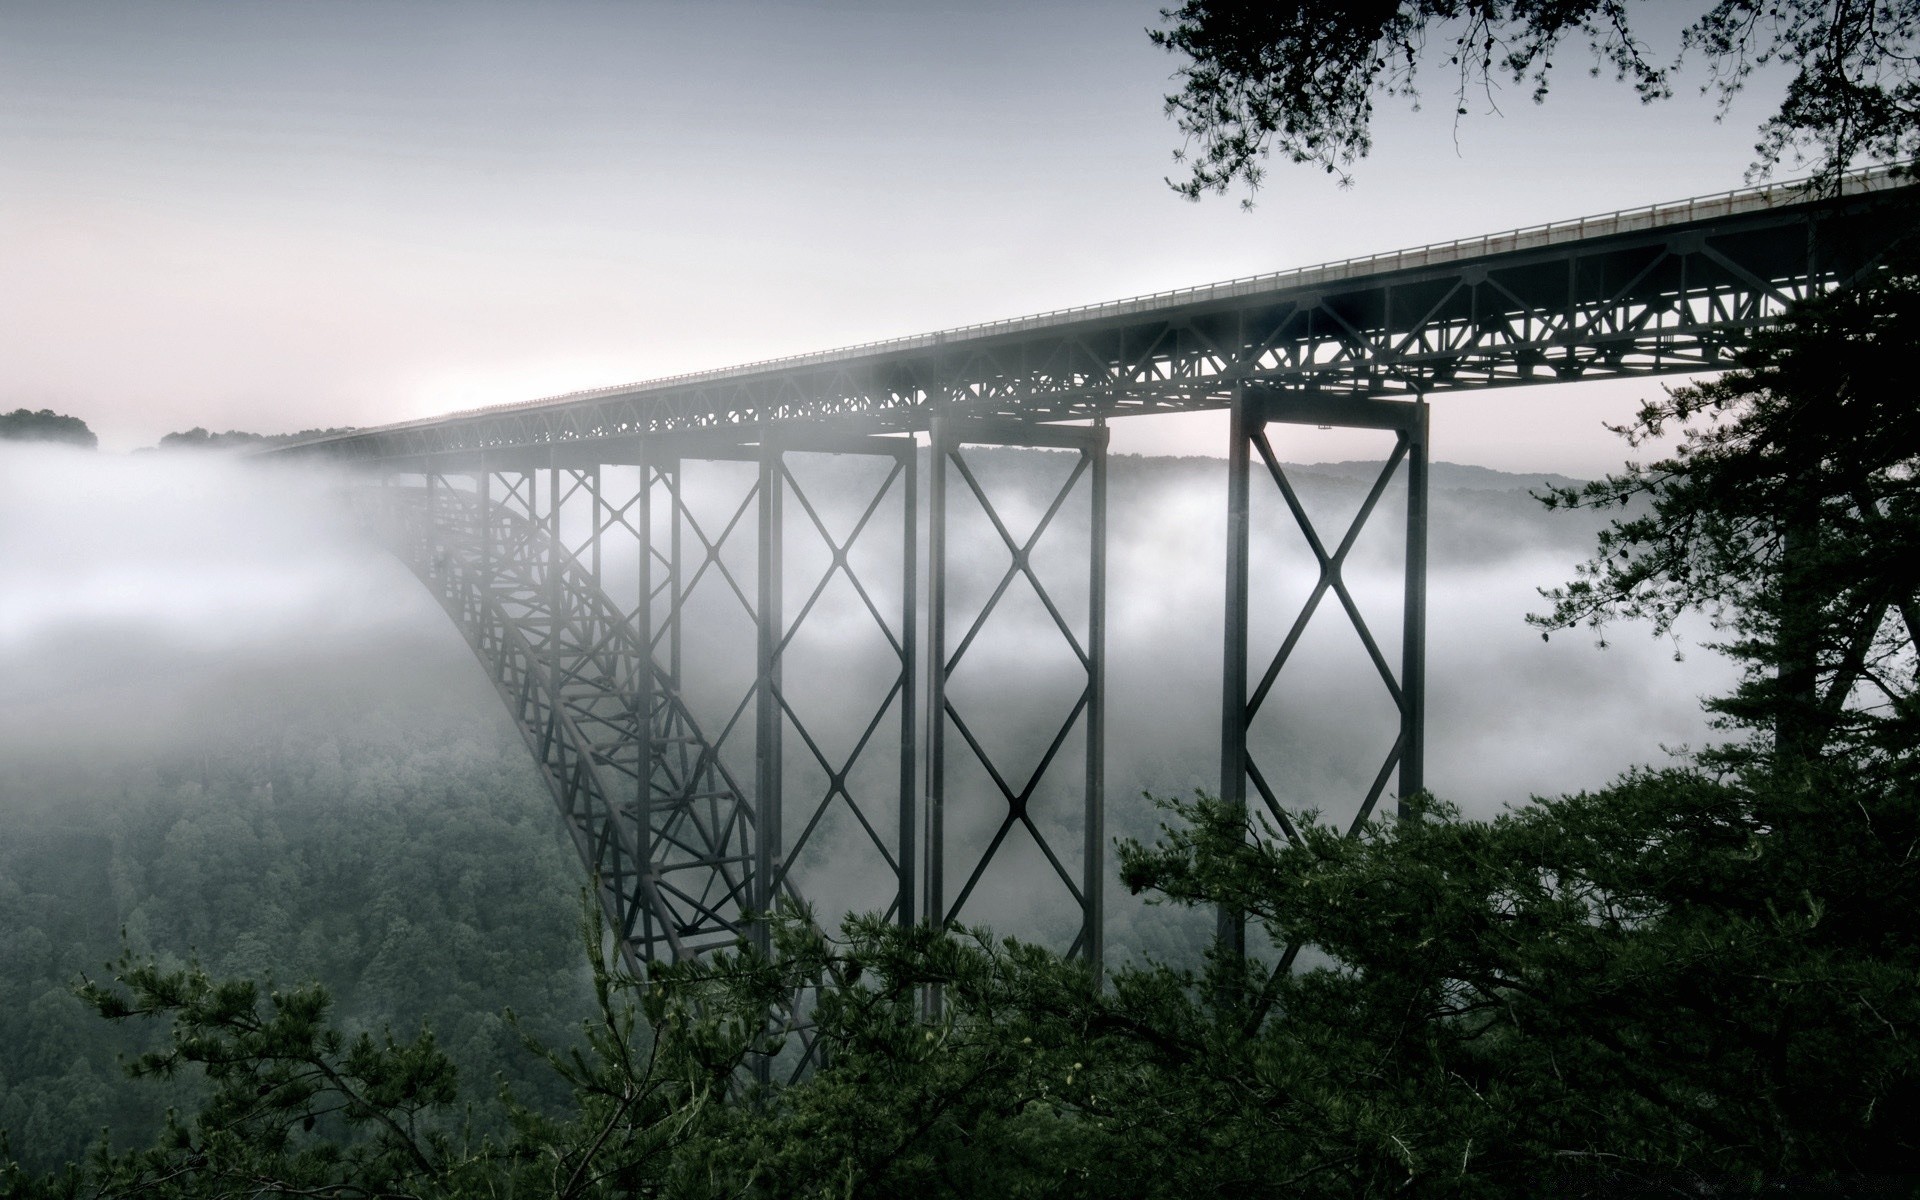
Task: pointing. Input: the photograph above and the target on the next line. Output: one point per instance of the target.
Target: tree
(1664, 978)
(1790, 516)
(293, 1104)
(199, 438)
(1300, 79)
(1674, 984)
(45, 425)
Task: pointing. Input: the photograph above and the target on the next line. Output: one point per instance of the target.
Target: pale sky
(276, 214)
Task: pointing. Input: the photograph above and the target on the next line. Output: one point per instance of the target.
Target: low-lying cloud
(146, 600)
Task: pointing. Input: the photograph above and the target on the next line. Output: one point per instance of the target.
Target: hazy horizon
(251, 216)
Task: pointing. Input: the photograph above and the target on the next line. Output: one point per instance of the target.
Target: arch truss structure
(663, 603)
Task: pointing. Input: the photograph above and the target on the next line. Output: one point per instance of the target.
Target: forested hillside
(401, 854)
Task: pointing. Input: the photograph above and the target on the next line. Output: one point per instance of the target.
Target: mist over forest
(233, 726)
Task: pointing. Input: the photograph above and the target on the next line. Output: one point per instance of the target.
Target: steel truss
(946, 654)
(659, 823)
(1254, 409)
(1676, 288)
(683, 854)
(769, 709)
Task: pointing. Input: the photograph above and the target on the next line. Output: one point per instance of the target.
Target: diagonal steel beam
(950, 438)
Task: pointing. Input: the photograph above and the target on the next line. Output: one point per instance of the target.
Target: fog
(156, 602)
(140, 596)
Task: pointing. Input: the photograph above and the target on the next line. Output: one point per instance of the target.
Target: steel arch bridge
(562, 537)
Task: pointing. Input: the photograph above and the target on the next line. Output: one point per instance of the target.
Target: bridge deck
(1667, 287)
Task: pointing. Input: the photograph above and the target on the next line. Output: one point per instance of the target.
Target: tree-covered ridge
(198, 438)
(45, 425)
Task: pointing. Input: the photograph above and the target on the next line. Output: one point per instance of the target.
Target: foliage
(405, 860)
(1670, 977)
(45, 425)
(296, 1106)
(656, 1064)
(1788, 514)
(234, 439)
(1673, 982)
(293, 1105)
(1300, 79)
(986, 1092)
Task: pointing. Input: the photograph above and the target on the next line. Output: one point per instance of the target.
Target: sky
(300, 213)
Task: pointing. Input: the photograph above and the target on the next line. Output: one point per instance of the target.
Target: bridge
(588, 544)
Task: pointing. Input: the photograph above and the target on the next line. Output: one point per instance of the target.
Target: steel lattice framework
(513, 522)
(1084, 638)
(653, 811)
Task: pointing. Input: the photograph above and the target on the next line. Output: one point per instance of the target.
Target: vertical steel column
(1231, 925)
(934, 834)
(676, 572)
(909, 641)
(486, 524)
(700, 823)
(934, 827)
(556, 593)
(647, 697)
(795, 847)
(593, 506)
(1253, 411)
(1406, 686)
(431, 525)
(1413, 638)
(769, 624)
(1094, 855)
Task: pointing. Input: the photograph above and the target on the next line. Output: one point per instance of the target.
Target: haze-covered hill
(396, 845)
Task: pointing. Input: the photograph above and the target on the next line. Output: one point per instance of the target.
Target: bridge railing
(1652, 216)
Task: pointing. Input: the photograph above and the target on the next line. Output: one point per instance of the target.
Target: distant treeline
(45, 425)
(201, 439)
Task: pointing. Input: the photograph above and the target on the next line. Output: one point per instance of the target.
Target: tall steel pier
(623, 561)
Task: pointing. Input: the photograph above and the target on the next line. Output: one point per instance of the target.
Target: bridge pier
(835, 797)
(1254, 408)
(950, 439)
(815, 804)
